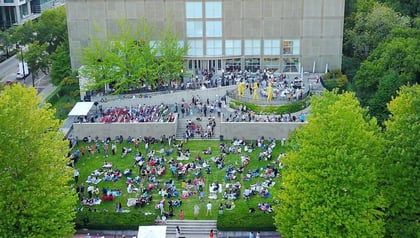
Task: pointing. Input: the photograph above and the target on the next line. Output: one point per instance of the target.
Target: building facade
(283, 35)
(16, 12)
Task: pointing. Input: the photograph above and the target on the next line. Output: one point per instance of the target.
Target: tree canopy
(401, 174)
(372, 24)
(329, 180)
(133, 58)
(36, 197)
(392, 64)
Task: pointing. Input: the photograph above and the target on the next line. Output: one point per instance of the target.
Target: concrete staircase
(182, 123)
(191, 228)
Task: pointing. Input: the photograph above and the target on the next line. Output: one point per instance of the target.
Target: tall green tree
(329, 180)
(37, 58)
(372, 24)
(171, 57)
(60, 63)
(6, 41)
(396, 59)
(133, 58)
(401, 173)
(51, 28)
(35, 196)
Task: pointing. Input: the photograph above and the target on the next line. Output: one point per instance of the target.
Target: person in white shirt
(209, 206)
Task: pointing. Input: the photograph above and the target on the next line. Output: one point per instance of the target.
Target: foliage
(335, 79)
(401, 175)
(406, 7)
(6, 41)
(37, 58)
(171, 55)
(35, 194)
(271, 109)
(372, 24)
(387, 89)
(51, 28)
(132, 59)
(396, 56)
(65, 97)
(329, 180)
(60, 63)
(112, 220)
(24, 34)
(245, 221)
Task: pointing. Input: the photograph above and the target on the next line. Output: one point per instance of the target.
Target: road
(9, 69)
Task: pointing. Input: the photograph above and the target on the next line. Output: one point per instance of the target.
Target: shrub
(112, 220)
(245, 222)
(283, 109)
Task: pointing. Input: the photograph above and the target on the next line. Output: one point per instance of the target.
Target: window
(271, 47)
(214, 29)
(8, 1)
(193, 10)
(214, 48)
(291, 47)
(233, 47)
(213, 9)
(194, 29)
(252, 47)
(195, 48)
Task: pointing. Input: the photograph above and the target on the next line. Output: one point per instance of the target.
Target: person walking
(196, 211)
(221, 209)
(177, 232)
(181, 215)
(76, 175)
(211, 234)
(257, 235)
(209, 206)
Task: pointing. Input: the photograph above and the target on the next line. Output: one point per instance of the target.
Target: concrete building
(17, 12)
(283, 35)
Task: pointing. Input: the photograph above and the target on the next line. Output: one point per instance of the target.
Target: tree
(171, 55)
(37, 58)
(372, 24)
(52, 28)
(387, 88)
(132, 58)
(401, 175)
(6, 40)
(329, 180)
(406, 7)
(36, 198)
(60, 63)
(398, 55)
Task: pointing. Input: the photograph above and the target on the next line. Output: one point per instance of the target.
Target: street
(9, 69)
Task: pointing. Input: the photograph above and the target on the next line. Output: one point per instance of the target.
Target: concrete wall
(253, 130)
(103, 130)
(318, 24)
(174, 97)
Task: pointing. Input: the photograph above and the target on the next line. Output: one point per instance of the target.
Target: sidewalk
(47, 91)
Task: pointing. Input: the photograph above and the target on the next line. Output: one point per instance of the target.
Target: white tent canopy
(152, 232)
(81, 109)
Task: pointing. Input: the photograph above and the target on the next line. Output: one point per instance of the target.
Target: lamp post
(23, 62)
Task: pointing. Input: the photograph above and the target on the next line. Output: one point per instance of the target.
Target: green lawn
(88, 163)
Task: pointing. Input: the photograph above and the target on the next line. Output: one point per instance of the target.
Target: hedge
(112, 220)
(245, 222)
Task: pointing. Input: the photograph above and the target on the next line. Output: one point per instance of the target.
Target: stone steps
(182, 123)
(190, 228)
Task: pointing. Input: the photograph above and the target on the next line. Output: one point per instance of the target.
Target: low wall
(168, 98)
(253, 130)
(102, 130)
